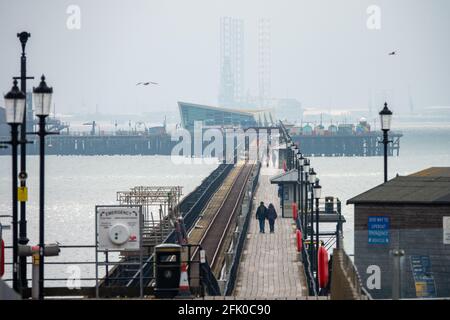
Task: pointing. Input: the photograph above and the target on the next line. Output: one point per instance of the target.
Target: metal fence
(79, 286)
(307, 263)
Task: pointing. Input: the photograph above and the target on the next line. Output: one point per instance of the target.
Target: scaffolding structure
(159, 207)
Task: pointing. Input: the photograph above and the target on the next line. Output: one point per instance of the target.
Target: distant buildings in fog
(232, 76)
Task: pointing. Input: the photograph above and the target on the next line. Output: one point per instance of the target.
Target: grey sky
(322, 52)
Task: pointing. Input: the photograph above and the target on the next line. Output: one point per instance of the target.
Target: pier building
(409, 215)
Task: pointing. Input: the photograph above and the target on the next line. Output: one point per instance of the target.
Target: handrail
(307, 263)
(237, 248)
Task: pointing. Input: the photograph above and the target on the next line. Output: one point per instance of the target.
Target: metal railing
(239, 242)
(307, 263)
(71, 288)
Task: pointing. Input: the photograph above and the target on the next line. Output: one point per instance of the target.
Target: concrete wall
(415, 229)
(345, 281)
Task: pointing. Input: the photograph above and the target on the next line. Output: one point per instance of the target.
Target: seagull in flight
(393, 53)
(146, 83)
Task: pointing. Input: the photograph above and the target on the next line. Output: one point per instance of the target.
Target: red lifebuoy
(2, 258)
(299, 241)
(294, 210)
(323, 267)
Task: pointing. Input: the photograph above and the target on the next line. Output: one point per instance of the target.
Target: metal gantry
(159, 207)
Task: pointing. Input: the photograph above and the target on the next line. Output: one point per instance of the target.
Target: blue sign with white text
(378, 230)
(423, 277)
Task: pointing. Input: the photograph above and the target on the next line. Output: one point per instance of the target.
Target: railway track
(214, 236)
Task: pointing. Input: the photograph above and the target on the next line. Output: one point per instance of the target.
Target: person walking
(261, 215)
(271, 216)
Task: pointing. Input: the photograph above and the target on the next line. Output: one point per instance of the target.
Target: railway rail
(213, 238)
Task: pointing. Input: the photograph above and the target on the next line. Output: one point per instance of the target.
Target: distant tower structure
(264, 60)
(231, 88)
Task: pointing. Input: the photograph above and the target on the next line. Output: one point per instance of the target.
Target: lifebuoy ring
(299, 241)
(294, 210)
(323, 267)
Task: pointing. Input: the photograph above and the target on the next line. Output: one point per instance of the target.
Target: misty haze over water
(322, 52)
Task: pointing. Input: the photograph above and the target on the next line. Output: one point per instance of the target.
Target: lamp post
(23, 239)
(42, 96)
(312, 218)
(310, 183)
(304, 191)
(385, 117)
(317, 194)
(291, 149)
(15, 108)
(300, 181)
(288, 155)
(294, 166)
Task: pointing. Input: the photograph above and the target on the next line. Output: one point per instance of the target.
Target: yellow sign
(22, 194)
(421, 289)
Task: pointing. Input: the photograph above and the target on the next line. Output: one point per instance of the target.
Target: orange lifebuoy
(2, 258)
(294, 210)
(323, 267)
(299, 241)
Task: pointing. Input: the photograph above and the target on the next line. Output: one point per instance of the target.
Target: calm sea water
(75, 184)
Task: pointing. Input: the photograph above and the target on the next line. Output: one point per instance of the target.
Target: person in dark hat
(271, 216)
(261, 215)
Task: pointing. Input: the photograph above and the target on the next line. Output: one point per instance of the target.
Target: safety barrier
(242, 223)
(307, 263)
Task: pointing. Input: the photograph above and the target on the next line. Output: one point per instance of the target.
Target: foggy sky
(322, 52)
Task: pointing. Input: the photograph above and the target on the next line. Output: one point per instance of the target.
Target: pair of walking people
(263, 213)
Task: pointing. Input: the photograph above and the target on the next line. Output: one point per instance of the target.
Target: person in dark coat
(261, 215)
(271, 216)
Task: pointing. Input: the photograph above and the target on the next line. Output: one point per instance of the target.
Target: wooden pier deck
(269, 266)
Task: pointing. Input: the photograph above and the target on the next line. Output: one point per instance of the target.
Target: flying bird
(393, 53)
(146, 83)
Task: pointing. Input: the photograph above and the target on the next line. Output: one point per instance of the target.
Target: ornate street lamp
(312, 176)
(317, 194)
(42, 97)
(300, 160)
(23, 239)
(385, 117)
(310, 183)
(15, 109)
(294, 150)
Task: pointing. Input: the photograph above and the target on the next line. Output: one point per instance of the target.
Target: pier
(269, 266)
(215, 233)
